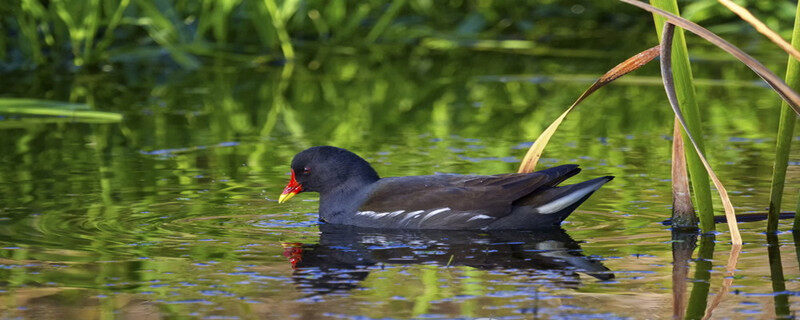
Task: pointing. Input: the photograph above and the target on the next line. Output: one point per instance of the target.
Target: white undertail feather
(569, 199)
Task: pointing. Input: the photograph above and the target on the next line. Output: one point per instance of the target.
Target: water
(172, 213)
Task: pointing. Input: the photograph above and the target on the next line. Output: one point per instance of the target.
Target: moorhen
(352, 193)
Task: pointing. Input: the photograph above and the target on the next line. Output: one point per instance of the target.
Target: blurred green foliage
(78, 33)
(214, 113)
(197, 153)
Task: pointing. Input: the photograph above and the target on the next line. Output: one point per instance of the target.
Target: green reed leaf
(54, 108)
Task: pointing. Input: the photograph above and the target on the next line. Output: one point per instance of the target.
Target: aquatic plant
(687, 114)
(684, 86)
(784, 139)
(64, 110)
(784, 90)
(787, 118)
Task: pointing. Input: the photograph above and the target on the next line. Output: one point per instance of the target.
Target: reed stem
(682, 73)
(784, 139)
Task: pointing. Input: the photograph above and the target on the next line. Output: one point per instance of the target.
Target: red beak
(292, 188)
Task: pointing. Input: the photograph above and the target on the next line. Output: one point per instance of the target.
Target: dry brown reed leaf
(760, 27)
(669, 87)
(682, 210)
(535, 152)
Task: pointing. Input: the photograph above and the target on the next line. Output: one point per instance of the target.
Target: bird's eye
(306, 170)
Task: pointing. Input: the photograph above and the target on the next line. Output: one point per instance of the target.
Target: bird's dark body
(351, 193)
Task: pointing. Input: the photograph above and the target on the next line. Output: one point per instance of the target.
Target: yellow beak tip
(285, 197)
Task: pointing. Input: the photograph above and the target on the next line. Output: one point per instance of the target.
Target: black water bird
(352, 193)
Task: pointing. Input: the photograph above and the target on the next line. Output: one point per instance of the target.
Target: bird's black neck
(344, 198)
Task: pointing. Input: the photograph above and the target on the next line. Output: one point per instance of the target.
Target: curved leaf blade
(790, 96)
(672, 96)
(760, 27)
(535, 151)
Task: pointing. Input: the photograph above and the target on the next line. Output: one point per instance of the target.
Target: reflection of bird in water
(344, 255)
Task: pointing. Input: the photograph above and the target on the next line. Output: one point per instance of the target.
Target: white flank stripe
(410, 215)
(480, 216)
(376, 215)
(433, 213)
(394, 214)
(381, 215)
(565, 201)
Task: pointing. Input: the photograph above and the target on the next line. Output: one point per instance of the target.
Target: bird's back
(449, 201)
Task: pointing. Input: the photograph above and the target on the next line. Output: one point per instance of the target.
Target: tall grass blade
(761, 27)
(385, 20)
(257, 13)
(114, 21)
(36, 120)
(32, 11)
(535, 152)
(687, 100)
(669, 86)
(784, 139)
(683, 215)
(163, 31)
(279, 16)
(786, 93)
(54, 108)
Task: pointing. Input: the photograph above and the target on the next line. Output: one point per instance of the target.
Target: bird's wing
(451, 201)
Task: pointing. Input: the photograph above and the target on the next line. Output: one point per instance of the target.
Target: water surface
(172, 213)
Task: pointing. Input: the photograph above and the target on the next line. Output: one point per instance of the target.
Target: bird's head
(325, 168)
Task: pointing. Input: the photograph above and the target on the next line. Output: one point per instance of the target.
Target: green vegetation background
(218, 95)
(70, 33)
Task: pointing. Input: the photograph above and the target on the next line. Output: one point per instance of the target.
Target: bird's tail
(548, 208)
(556, 200)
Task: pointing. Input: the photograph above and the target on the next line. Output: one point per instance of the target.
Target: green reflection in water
(778, 282)
(172, 210)
(698, 297)
(683, 245)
